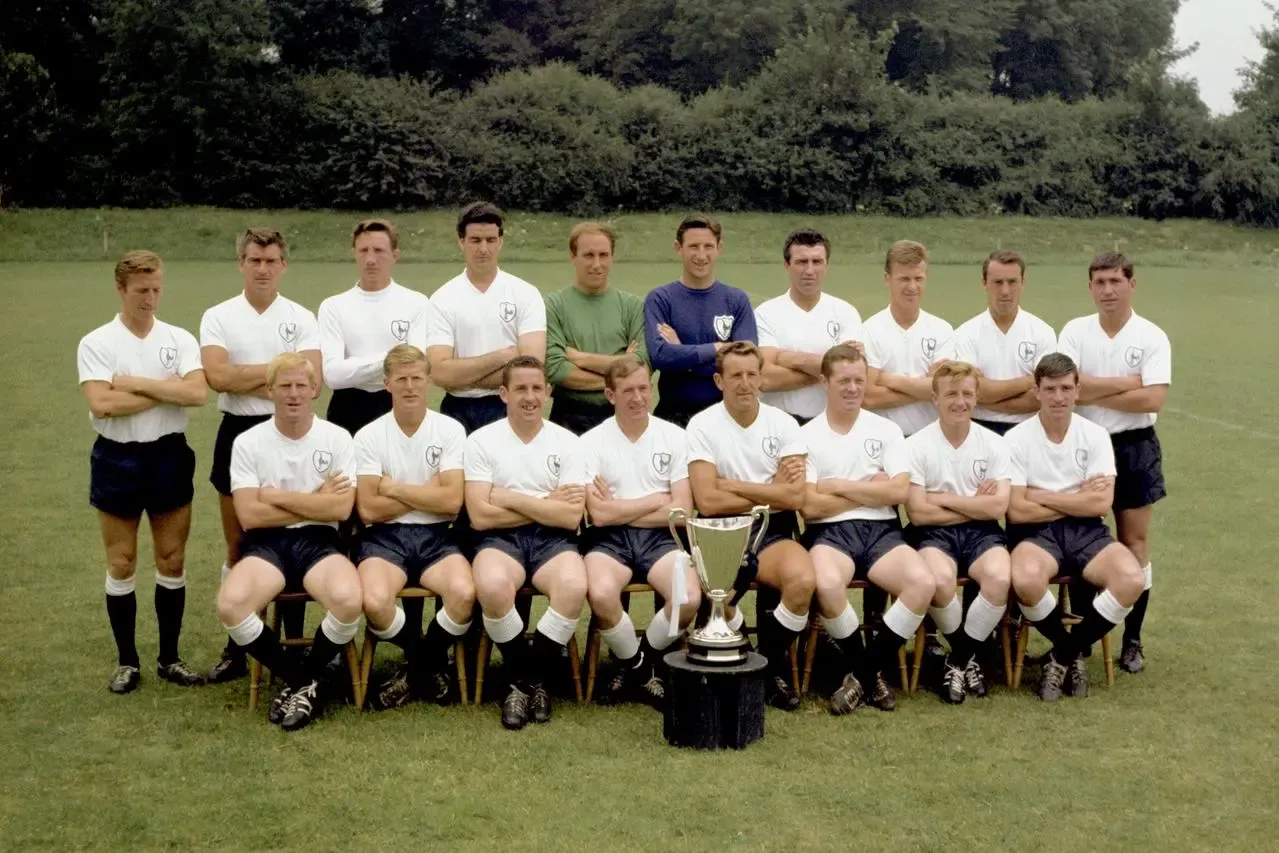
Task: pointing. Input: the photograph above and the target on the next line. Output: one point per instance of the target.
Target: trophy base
(714, 707)
(720, 653)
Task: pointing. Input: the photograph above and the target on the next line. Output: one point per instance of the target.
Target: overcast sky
(1225, 30)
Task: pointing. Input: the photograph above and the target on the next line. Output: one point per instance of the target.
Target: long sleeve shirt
(603, 323)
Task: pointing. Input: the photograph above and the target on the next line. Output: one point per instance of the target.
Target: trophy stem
(715, 642)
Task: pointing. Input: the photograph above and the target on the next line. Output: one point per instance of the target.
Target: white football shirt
(783, 324)
(166, 352)
(908, 352)
(252, 338)
(263, 457)
(655, 462)
(938, 467)
(1039, 463)
(874, 445)
(359, 327)
(382, 449)
(1003, 356)
(476, 323)
(495, 454)
(748, 454)
(1140, 349)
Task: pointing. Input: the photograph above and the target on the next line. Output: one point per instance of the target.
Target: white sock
(247, 631)
(339, 632)
(737, 621)
(504, 628)
(901, 620)
(556, 626)
(1041, 611)
(169, 582)
(121, 587)
(456, 629)
(791, 621)
(397, 623)
(948, 618)
(843, 625)
(982, 618)
(1149, 571)
(621, 638)
(1110, 609)
(226, 570)
(658, 630)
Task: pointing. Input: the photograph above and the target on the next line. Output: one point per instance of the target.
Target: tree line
(909, 107)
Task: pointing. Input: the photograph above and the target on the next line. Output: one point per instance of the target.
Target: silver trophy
(719, 547)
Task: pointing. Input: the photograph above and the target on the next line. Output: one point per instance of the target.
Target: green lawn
(1181, 757)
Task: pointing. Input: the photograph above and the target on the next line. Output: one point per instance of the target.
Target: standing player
(1004, 343)
(857, 474)
(688, 322)
(358, 327)
(959, 490)
(1125, 366)
(409, 468)
(638, 471)
(589, 327)
(1063, 482)
(291, 480)
(482, 319)
(238, 338)
(525, 491)
(743, 453)
(138, 375)
(796, 328)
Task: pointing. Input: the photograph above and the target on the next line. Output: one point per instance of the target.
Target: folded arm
(189, 390)
(992, 391)
(888, 491)
(980, 507)
(551, 510)
(1091, 501)
(1094, 387)
(374, 507)
(1147, 400)
(880, 396)
(482, 371)
(254, 513)
(921, 510)
(441, 495)
(484, 514)
(777, 375)
(1022, 509)
(315, 506)
(107, 402)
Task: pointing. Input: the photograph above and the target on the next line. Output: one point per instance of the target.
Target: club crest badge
(662, 463)
(771, 446)
(1081, 458)
(433, 456)
(1026, 351)
(980, 467)
(553, 463)
(506, 311)
(168, 357)
(832, 329)
(723, 325)
(400, 330)
(873, 447)
(323, 461)
(288, 332)
(929, 348)
(1133, 356)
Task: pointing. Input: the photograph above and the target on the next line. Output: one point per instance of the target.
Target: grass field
(1181, 757)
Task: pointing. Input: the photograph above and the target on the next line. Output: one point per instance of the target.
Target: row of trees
(1061, 107)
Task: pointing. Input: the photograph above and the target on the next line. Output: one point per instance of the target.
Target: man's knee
(569, 584)
(996, 572)
(170, 561)
(234, 604)
(917, 583)
(459, 589)
(345, 596)
(1126, 578)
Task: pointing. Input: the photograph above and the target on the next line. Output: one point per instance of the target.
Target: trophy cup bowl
(719, 547)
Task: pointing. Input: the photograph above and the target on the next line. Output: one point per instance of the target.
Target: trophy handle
(759, 512)
(677, 512)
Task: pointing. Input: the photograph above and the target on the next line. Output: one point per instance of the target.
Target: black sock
(232, 650)
(882, 651)
(122, 613)
(1132, 625)
(413, 610)
(962, 647)
(775, 640)
(292, 618)
(874, 603)
(268, 651)
(434, 647)
(544, 654)
(515, 656)
(1086, 633)
(1052, 629)
(855, 657)
(169, 607)
(323, 650)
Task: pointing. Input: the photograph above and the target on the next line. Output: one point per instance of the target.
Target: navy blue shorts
(229, 430)
(578, 416)
(997, 427)
(292, 550)
(530, 545)
(964, 543)
(1072, 542)
(863, 540)
(637, 548)
(781, 526)
(354, 409)
(127, 479)
(414, 548)
(473, 412)
(1139, 469)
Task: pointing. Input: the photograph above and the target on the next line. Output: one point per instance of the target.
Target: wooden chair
(814, 630)
(1005, 642)
(369, 648)
(1067, 618)
(524, 597)
(255, 666)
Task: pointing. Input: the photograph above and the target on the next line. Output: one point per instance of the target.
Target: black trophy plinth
(714, 707)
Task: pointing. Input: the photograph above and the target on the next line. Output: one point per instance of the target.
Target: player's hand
(1096, 483)
(605, 493)
(572, 355)
(632, 347)
(988, 487)
(335, 484)
(571, 494)
(790, 470)
(384, 486)
(667, 333)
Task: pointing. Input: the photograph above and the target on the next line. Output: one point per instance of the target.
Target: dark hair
(622, 368)
(737, 348)
(1003, 256)
(264, 237)
(698, 220)
(519, 363)
(805, 237)
(1110, 261)
(480, 213)
(841, 353)
(1056, 365)
(373, 225)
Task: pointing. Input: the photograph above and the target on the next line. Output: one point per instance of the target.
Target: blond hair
(621, 368)
(582, 229)
(138, 262)
(288, 361)
(401, 355)
(906, 253)
(960, 370)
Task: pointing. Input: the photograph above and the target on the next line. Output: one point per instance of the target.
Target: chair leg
(810, 654)
(353, 668)
(459, 658)
(794, 665)
(367, 651)
(594, 639)
(1019, 660)
(1005, 642)
(918, 659)
(575, 665)
(902, 672)
(255, 680)
(481, 665)
(1109, 661)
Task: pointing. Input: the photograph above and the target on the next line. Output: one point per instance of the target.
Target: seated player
(292, 482)
(959, 488)
(409, 468)
(525, 491)
(857, 474)
(743, 453)
(1063, 482)
(637, 467)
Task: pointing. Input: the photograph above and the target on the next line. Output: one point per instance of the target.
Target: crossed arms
(716, 495)
(129, 395)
